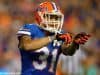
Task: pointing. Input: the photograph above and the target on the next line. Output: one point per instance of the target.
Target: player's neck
(48, 33)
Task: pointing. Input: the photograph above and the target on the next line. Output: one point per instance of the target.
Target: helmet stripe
(54, 6)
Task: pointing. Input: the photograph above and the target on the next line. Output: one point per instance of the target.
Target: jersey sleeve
(24, 30)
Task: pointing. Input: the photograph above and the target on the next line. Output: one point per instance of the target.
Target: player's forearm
(70, 50)
(37, 43)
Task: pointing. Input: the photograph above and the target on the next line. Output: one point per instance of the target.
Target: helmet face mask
(50, 20)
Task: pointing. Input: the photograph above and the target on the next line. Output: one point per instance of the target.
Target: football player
(41, 44)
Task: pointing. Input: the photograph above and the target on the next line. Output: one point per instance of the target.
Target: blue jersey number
(47, 59)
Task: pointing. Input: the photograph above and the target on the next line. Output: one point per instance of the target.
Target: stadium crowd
(80, 16)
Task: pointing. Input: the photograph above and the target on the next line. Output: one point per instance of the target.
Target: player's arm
(69, 50)
(27, 43)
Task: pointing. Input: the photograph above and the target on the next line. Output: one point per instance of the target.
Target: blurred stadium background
(80, 15)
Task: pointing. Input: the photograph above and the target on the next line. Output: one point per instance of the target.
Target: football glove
(81, 38)
(66, 37)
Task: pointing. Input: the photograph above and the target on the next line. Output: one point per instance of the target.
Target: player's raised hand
(66, 37)
(81, 38)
